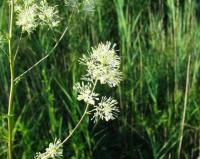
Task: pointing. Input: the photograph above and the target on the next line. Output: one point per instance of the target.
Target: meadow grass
(158, 42)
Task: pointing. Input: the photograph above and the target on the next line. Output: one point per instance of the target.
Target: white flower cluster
(103, 65)
(106, 109)
(54, 151)
(85, 93)
(31, 14)
(48, 15)
(26, 16)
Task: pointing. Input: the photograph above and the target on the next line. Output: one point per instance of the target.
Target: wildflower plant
(26, 15)
(102, 108)
(102, 65)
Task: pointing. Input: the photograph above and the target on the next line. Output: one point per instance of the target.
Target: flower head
(103, 64)
(53, 151)
(86, 93)
(48, 15)
(106, 109)
(27, 18)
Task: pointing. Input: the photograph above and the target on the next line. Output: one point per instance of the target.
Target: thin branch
(42, 59)
(81, 119)
(48, 54)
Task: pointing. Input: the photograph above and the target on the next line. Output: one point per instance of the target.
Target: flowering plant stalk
(29, 15)
(102, 66)
(11, 94)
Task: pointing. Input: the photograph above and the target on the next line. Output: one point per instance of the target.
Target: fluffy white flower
(27, 18)
(48, 15)
(53, 151)
(103, 64)
(106, 109)
(85, 93)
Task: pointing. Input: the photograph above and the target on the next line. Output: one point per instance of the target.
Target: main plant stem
(10, 102)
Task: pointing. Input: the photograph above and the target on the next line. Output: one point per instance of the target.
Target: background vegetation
(158, 41)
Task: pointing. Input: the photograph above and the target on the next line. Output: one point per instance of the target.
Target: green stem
(11, 94)
(42, 59)
(77, 125)
(81, 119)
(75, 128)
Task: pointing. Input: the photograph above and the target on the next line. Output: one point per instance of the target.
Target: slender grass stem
(185, 107)
(11, 94)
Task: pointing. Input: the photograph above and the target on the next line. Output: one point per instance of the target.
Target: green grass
(154, 39)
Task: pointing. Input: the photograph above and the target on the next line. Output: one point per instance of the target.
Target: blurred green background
(155, 39)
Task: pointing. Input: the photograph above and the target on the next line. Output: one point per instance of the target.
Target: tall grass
(159, 97)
